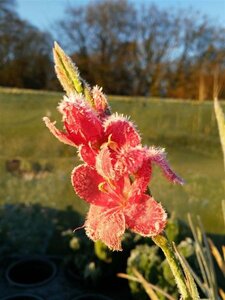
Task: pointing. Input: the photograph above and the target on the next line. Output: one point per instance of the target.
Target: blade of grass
(128, 277)
(223, 250)
(221, 125)
(199, 252)
(211, 270)
(222, 294)
(154, 287)
(196, 278)
(148, 289)
(217, 256)
(205, 260)
(190, 281)
(223, 211)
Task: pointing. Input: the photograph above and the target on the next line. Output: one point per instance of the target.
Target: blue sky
(43, 13)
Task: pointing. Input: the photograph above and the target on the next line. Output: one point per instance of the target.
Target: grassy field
(187, 129)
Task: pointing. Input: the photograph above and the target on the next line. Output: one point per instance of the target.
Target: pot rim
(93, 295)
(10, 297)
(50, 263)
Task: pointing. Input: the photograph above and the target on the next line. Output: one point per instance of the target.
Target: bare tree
(131, 49)
(99, 34)
(127, 48)
(157, 38)
(24, 51)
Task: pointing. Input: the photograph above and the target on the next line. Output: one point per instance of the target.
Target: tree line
(128, 49)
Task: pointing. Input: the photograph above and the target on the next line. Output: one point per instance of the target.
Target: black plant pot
(72, 273)
(30, 272)
(22, 297)
(91, 297)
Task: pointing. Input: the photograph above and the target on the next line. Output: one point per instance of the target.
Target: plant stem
(162, 242)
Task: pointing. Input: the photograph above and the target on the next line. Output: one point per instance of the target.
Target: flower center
(119, 197)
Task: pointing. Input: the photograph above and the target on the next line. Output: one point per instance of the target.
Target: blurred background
(159, 62)
(164, 49)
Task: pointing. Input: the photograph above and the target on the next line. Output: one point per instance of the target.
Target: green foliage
(176, 230)
(81, 259)
(147, 261)
(102, 252)
(25, 229)
(186, 248)
(93, 263)
(150, 262)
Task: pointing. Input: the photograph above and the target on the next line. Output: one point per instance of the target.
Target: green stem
(162, 242)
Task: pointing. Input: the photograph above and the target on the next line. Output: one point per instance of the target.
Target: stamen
(111, 144)
(102, 187)
(78, 228)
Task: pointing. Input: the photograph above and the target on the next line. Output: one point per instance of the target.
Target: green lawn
(187, 129)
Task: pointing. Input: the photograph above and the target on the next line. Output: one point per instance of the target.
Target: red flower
(117, 205)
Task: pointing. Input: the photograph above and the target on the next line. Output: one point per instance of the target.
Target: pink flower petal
(129, 160)
(81, 120)
(141, 180)
(104, 165)
(86, 181)
(87, 154)
(77, 136)
(147, 217)
(107, 225)
(158, 156)
(100, 102)
(61, 136)
(122, 131)
(92, 221)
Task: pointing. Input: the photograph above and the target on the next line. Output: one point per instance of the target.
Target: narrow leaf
(140, 279)
(222, 294)
(190, 280)
(217, 256)
(221, 124)
(148, 289)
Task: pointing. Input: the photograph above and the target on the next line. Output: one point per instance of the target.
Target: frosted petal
(104, 165)
(86, 181)
(107, 225)
(122, 131)
(61, 136)
(147, 217)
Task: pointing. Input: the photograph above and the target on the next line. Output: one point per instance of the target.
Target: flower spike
(116, 167)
